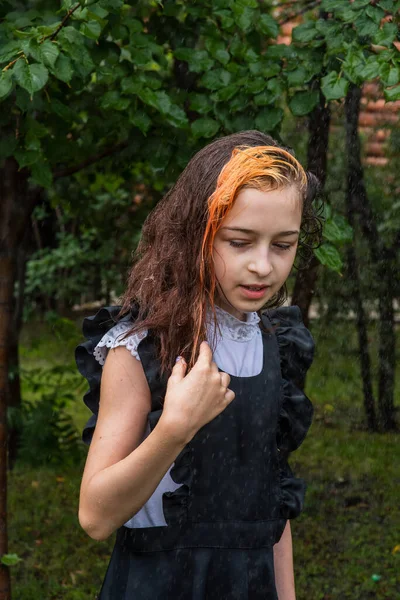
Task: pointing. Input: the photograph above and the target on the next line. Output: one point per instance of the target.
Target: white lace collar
(233, 328)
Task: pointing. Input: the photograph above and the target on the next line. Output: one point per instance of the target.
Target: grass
(346, 541)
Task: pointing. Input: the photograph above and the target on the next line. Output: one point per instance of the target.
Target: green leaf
(6, 84)
(297, 77)
(333, 87)
(329, 256)
(91, 29)
(266, 98)
(251, 56)
(200, 103)
(225, 93)
(389, 74)
(370, 69)
(244, 19)
(303, 103)
(392, 94)
(47, 53)
(255, 86)
(10, 559)
(218, 50)
(204, 127)
(9, 51)
(337, 229)
(158, 100)
(268, 26)
(305, 32)
(41, 173)
(31, 77)
(264, 68)
(114, 101)
(226, 17)
(63, 69)
(386, 35)
(268, 118)
(25, 158)
(73, 44)
(177, 117)
(111, 5)
(198, 60)
(366, 26)
(375, 13)
(386, 4)
(278, 51)
(222, 56)
(215, 79)
(141, 120)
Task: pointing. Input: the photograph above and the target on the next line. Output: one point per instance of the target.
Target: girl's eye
(282, 246)
(237, 244)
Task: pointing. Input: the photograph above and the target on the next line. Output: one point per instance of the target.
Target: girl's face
(255, 247)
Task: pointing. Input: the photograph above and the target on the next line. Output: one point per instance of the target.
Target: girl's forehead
(266, 210)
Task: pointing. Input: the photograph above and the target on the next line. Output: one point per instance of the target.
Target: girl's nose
(261, 265)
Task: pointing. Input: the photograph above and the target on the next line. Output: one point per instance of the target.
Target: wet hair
(172, 280)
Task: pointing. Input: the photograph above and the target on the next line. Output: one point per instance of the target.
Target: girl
(198, 411)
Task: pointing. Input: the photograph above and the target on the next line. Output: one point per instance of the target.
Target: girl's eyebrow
(250, 231)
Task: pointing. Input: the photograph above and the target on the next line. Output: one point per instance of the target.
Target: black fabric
(237, 487)
(189, 574)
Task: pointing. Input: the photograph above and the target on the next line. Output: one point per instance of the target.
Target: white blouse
(238, 351)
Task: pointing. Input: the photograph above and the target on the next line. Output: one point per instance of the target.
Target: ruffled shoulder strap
(94, 328)
(296, 344)
(296, 350)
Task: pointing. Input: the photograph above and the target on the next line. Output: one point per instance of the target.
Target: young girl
(198, 410)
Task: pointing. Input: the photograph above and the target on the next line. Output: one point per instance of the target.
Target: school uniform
(209, 529)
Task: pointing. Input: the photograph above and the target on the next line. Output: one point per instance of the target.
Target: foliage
(149, 84)
(10, 559)
(47, 432)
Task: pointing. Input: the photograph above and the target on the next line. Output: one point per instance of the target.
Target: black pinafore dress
(236, 495)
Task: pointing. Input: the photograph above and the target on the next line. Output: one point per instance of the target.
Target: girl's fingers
(205, 355)
(225, 379)
(214, 367)
(229, 395)
(179, 369)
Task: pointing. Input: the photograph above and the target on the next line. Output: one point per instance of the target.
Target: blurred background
(102, 105)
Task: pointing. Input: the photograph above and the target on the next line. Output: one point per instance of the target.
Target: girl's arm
(122, 471)
(283, 563)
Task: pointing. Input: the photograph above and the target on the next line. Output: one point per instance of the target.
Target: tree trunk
(317, 152)
(387, 347)
(6, 291)
(362, 207)
(16, 205)
(14, 398)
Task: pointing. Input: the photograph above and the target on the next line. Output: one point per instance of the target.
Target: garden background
(103, 104)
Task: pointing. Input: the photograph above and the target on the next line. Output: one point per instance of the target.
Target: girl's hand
(196, 399)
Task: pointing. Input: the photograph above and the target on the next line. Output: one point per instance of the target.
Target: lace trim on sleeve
(114, 338)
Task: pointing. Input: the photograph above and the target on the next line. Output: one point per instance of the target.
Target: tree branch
(61, 25)
(305, 9)
(89, 161)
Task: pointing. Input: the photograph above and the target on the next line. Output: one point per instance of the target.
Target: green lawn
(346, 541)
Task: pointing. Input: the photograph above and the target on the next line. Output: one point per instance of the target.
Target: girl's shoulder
(103, 331)
(119, 335)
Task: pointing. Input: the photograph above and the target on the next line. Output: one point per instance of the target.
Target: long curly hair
(172, 281)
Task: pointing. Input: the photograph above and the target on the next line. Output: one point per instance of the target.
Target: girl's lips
(253, 294)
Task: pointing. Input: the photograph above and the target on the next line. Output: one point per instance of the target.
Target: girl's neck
(241, 316)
